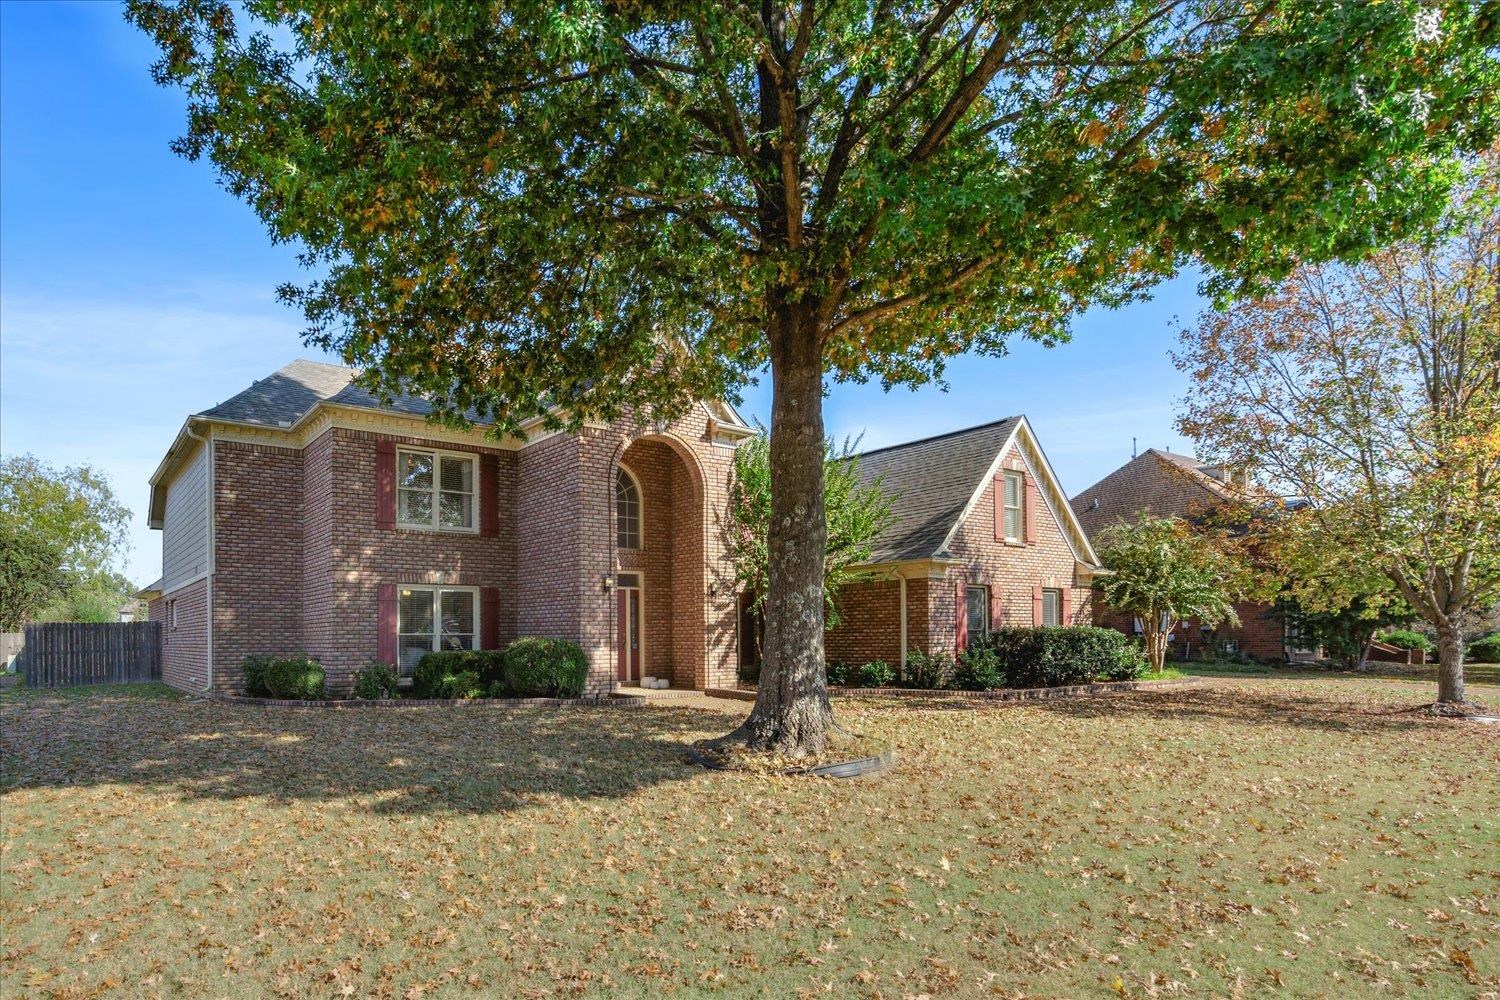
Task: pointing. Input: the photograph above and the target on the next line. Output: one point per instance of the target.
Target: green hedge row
(527, 668)
(297, 678)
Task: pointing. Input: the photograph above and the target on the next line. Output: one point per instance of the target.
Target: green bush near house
(837, 672)
(978, 669)
(375, 682)
(1407, 638)
(490, 664)
(545, 668)
(1060, 655)
(254, 676)
(1486, 650)
(928, 671)
(436, 675)
(295, 679)
(876, 673)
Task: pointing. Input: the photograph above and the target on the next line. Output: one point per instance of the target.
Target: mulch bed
(611, 701)
(997, 695)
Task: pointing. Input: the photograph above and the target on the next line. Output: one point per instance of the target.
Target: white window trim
(640, 512)
(438, 454)
(1019, 478)
(1057, 604)
(437, 625)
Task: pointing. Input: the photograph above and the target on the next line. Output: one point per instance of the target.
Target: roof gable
(935, 483)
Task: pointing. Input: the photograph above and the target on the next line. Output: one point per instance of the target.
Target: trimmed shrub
(255, 668)
(375, 682)
(877, 673)
(1057, 655)
(1407, 638)
(927, 670)
(978, 669)
(545, 668)
(490, 663)
(299, 679)
(837, 672)
(1130, 665)
(1486, 650)
(464, 684)
(434, 673)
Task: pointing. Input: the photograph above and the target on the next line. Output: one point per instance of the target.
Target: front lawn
(1315, 836)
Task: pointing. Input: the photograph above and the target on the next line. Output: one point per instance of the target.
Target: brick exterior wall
(184, 649)
(1155, 483)
(870, 628)
(300, 558)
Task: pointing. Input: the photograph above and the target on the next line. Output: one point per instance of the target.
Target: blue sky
(134, 291)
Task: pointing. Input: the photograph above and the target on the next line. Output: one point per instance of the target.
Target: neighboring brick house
(981, 537)
(305, 516)
(1171, 485)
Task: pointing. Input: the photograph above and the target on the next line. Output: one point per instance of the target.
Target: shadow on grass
(419, 760)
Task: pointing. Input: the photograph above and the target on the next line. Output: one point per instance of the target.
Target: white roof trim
(1084, 555)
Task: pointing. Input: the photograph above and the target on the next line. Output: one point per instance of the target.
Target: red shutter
(1036, 605)
(386, 617)
(996, 613)
(1029, 512)
(385, 484)
(1065, 609)
(999, 506)
(489, 617)
(962, 620)
(489, 488)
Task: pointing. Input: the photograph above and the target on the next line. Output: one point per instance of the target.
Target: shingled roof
(930, 482)
(281, 399)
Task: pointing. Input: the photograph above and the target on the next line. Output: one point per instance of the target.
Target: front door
(628, 604)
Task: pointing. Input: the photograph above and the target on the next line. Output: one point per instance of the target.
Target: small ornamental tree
(856, 512)
(622, 206)
(1164, 573)
(1372, 394)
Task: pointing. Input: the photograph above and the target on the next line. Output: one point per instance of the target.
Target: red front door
(629, 658)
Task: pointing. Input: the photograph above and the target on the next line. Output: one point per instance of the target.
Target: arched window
(627, 510)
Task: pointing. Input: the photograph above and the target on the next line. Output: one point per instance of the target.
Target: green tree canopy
(72, 509)
(31, 574)
(515, 204)
(1163, 572)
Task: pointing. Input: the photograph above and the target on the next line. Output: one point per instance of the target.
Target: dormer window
(627, 510)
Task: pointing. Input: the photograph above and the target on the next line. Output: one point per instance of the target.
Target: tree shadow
(466, 759)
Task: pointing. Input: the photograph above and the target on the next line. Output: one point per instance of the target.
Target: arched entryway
(660, 586)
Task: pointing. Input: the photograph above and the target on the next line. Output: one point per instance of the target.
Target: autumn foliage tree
(1372, 393)
(622, 206)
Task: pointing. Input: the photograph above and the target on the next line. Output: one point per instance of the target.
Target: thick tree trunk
(792, 715)
(1450, 664)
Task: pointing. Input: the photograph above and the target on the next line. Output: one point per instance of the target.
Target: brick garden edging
(610, 701)
(999, 694)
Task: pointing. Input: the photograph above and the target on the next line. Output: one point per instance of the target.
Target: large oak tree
(514, 205)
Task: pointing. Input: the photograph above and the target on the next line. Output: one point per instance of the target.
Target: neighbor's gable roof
(934, 483)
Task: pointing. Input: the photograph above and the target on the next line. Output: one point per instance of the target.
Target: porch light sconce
(607, 583)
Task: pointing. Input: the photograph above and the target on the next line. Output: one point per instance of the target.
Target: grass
(1316, 836)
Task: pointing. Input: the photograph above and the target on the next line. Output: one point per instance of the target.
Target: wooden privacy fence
(60, 654)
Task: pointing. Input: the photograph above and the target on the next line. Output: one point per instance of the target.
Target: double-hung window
(1052, 607)
(435, 489)
(1014, 520)
(435, 618)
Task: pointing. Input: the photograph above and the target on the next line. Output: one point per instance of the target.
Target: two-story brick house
(981, 536)
(305, 516)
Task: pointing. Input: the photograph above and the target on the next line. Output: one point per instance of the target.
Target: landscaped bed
(1307, 836)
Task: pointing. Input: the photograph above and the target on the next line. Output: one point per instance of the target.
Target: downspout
(902, 578)
(208, 583)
